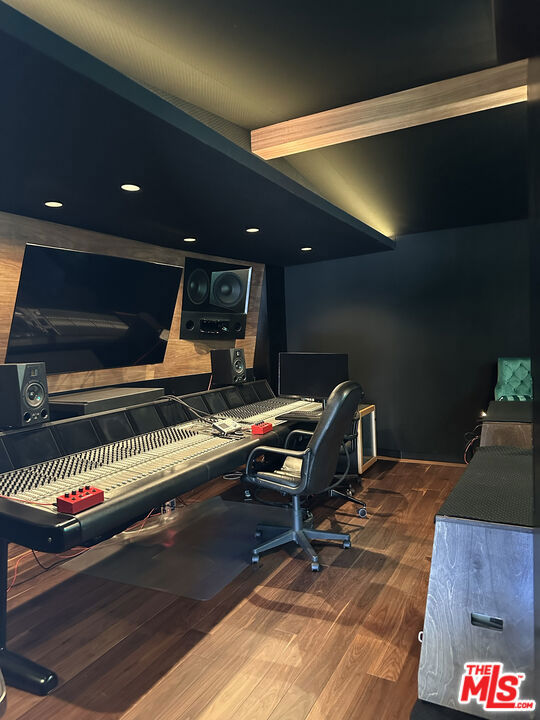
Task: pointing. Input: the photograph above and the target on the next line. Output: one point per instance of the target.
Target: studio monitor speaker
(23, 394)
(228, 367)
(214, 301)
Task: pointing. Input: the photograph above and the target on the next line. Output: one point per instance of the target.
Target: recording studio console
(133, 473)
(132, 476)
(111, 467)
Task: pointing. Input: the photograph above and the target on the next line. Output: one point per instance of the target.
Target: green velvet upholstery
(514, 380)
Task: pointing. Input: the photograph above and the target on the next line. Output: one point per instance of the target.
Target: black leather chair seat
(290, 474)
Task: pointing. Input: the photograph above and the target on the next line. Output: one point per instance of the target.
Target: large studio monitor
(23, 394)
(215, 300)
(228, 367)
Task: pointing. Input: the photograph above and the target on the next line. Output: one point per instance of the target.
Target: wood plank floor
(278, 643)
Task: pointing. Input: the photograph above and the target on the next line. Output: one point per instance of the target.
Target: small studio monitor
(23, 394)
(228, 367)
(214, 301)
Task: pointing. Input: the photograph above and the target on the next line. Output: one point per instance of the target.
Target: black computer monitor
(311, 375)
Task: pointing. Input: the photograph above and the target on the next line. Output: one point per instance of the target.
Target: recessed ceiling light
(190, 239)
(128, 187)
(252, 229)
(306, 249)
(53, 203)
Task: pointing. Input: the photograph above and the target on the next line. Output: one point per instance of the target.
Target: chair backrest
(514, 379)
(319, 465)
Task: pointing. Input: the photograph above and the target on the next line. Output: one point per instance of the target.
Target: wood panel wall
(182, 357)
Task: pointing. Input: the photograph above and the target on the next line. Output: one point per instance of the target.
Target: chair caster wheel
(362, 512)
(254, 559)
(346, 543)
(315, 567)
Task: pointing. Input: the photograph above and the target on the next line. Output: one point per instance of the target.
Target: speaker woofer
(239, 366)
(198, 286)
(227, 289)
(34, 394)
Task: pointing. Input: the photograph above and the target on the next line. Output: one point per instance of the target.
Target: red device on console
(77, 500)
(261, 428)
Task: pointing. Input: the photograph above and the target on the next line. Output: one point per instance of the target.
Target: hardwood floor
(278, 643)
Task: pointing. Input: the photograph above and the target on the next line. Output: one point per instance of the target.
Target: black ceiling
(264, 62)
(459, 172)
(257, 64)
(302, 57)
(68, 138)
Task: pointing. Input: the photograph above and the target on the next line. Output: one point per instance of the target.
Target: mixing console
(88, 496)
(110, 467)
(114, 466)
(268, 409)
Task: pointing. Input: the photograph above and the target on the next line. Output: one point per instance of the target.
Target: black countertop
(497, 486)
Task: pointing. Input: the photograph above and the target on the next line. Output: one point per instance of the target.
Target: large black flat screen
(311, 375)
(81, 311)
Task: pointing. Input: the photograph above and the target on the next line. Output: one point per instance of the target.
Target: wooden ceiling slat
(463, 95)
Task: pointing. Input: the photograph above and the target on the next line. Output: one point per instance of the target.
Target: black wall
(423, 326)
(271, 331)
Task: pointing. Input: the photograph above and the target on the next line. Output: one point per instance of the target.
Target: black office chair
(309, 471)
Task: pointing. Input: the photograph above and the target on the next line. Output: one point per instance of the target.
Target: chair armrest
(308, 433)
(267, 449)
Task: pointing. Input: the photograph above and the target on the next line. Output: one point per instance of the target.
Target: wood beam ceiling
(463, 95)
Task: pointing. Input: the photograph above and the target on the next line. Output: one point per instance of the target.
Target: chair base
(349, 495)
(301, 537)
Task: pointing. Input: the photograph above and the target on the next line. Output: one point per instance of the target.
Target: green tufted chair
(514, 379)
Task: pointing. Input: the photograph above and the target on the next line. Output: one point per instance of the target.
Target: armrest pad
(267, 449)
(308, 433)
